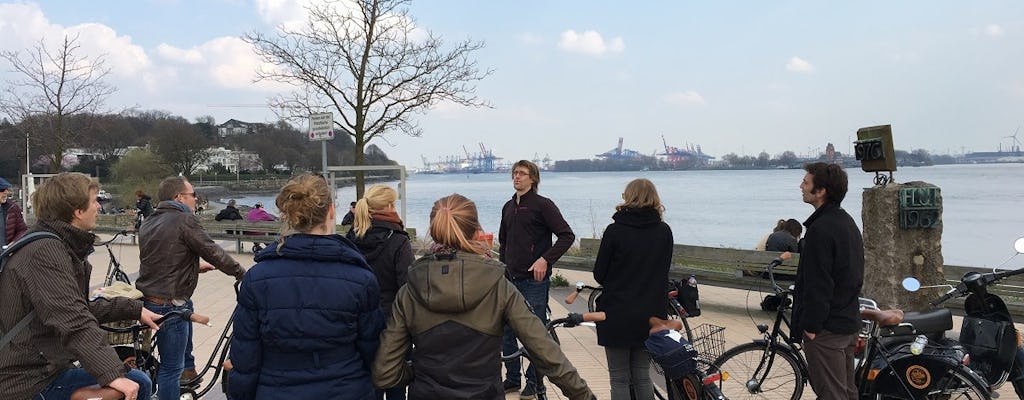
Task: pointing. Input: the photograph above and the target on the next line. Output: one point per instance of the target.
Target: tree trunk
(359, 160)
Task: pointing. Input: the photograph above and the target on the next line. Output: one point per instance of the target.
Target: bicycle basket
(673, 356)
(126, 339)
(709, 340)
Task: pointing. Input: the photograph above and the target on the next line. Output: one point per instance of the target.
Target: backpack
(4, 257)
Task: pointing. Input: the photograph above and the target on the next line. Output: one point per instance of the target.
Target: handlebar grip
(596, 316)
(200, 319)
(571, 297)
(943, 299)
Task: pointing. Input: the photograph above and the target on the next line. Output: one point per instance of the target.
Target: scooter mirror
(911, 284)
(1019, 245)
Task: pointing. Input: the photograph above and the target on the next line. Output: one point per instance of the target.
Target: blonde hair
(641, 193)
(305, 202)
(376, 198)
(59, 197)
(453, 221)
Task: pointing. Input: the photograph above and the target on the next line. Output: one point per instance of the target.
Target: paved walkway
(736, 310)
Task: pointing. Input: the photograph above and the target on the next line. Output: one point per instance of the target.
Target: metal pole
(401, 191)
(323, 156)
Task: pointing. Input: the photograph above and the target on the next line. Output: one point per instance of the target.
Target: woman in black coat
(380, 235)
(632, 266)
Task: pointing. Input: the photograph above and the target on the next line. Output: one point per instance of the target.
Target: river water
(983, 205)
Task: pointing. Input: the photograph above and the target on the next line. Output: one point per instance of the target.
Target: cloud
(799, 65)
(23, 26)
(686, 98)
(994, 30)
(175, 54)
(589, 43)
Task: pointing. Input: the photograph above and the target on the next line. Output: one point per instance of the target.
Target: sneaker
(188, 375)
(530, 392)
(510, 386)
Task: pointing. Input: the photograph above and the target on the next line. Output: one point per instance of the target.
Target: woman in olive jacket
(454, 308)
(632, 265)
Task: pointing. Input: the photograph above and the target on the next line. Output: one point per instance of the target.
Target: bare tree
(54, 84)
(180, 144)
(370, 65)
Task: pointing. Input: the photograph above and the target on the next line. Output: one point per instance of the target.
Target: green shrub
(557, 280)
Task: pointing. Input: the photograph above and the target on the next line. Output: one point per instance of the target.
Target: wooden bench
(242, 232)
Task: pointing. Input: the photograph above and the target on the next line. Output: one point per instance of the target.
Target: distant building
(235, 127)
(232, 160)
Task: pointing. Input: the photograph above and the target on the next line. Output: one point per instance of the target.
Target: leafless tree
(368, 64)
(53, 85)
(180, 144)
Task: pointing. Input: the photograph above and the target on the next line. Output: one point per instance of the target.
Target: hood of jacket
(301, 246)
(376, 238)
(637, 217)
(453, 283)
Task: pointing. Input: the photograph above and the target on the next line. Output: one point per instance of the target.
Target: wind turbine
(1015, 140)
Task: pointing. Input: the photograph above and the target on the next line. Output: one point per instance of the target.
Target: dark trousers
(536, 294)
(830, 365)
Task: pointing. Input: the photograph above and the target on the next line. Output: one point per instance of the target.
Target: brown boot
(188, 375)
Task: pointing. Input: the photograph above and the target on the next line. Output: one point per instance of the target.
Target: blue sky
(570, 77)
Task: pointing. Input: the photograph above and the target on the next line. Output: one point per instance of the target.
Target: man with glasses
(528, 220)
(173, 247)
(12, 223)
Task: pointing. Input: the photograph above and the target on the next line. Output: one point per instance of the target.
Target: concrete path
(736, 310)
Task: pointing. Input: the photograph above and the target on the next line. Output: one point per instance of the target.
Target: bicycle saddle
(921, 323)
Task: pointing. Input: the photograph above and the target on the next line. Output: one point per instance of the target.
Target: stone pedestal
(892, 253)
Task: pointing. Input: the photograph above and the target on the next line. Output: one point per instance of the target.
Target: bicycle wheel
(752, 372)
(592, 300)
(958, 384)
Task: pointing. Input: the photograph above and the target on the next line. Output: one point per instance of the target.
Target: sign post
(321, 127)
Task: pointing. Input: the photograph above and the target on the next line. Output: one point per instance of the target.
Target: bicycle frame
(687, 384)
(570, 321)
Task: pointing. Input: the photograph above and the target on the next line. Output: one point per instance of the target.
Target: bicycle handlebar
(972, 281)
(580, 286)
(771, 269)
(183, 314)
(120, 233)
(575, 319)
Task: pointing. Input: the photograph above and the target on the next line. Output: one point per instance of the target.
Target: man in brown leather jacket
(171, 244)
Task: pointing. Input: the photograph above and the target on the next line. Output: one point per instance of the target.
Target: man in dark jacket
(826, 311)
(171, 244)
(230, 212)
(12, 222)
(524, 244)
(49, 280)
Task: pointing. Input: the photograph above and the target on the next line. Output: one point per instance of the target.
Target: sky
(570, 77)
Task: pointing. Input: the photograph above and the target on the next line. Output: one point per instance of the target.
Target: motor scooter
(992, 343)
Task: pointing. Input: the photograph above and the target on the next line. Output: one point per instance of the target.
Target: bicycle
(114, 271)
(773, 366)
(138, 354)
(569, 321)
(135, 344)
(709, 340)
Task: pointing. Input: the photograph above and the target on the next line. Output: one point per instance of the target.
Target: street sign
(321, 126)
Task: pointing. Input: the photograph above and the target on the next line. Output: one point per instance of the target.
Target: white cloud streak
(590, 43)
(799, 65)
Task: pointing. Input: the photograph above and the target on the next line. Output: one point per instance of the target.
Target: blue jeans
(536, 294)
(174, 344)
(76, 378)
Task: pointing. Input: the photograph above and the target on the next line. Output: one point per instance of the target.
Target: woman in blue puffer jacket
(308, 316)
